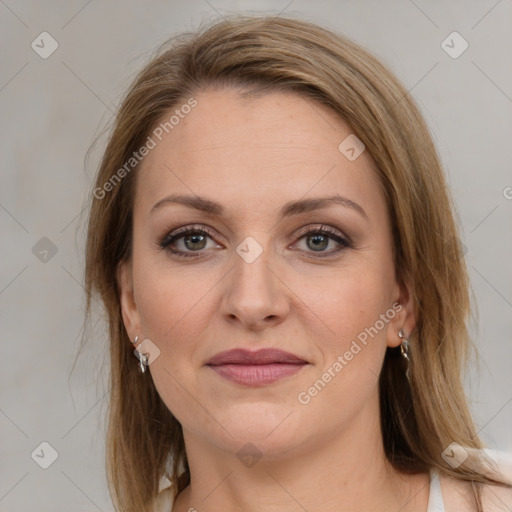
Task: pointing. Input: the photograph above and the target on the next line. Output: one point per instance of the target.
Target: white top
(436, 503)
(435, 497)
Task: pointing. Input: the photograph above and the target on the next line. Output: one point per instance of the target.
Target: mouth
(258, 368)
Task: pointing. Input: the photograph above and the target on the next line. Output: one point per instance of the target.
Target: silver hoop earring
(143, 358)
(404, 350)
(404, 347)
(143, 361)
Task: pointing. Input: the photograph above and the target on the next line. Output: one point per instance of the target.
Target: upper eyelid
(184, 230)
(320, 227)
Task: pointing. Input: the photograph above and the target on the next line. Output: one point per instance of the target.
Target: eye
(317, 240)
(193, 240)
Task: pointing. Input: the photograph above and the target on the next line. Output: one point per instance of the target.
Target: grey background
(52, 109)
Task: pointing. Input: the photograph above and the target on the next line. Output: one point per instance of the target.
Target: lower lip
(257, 374)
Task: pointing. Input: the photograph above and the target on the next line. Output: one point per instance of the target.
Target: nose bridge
(254, 293)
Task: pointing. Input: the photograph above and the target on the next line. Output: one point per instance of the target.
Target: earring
(143, 358)
(404, 350)
(143, 361)
(404, 347)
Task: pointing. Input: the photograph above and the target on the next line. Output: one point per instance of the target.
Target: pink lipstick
(258, 368)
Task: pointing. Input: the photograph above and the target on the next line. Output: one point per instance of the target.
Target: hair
(258, 55)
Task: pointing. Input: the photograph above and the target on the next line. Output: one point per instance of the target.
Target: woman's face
(257, 272)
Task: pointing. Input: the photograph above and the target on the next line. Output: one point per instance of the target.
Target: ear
(131, 318)
(403, 305)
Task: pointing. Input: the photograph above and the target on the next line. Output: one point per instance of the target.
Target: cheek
(173, 314)
(171, 300)
(353, 349)
(176, 305)
(347, 304)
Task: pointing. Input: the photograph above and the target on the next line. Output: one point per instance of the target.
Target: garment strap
(435, 498)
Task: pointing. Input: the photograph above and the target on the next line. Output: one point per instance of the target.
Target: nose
(255, 296)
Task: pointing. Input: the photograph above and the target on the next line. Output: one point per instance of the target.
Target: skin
(252, 156)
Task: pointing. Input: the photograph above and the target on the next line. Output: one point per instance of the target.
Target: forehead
(255, 151)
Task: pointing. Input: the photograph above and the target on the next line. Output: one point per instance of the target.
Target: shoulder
(495, 497)
(458, 495)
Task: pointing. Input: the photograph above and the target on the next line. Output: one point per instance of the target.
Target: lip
(256, 368)
(257, 357)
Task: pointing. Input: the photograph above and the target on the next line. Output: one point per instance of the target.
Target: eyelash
(179, 233)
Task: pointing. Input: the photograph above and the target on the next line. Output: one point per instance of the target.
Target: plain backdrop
(53, 108)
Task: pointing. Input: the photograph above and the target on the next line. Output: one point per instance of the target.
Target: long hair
(258, 54)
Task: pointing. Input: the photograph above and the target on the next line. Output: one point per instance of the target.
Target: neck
(346, 470)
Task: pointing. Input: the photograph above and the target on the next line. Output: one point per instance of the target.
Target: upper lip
(262, 356)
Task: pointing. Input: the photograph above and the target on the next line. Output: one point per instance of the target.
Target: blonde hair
(258, 54)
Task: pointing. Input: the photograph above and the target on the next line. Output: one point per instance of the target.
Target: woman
(272, 236)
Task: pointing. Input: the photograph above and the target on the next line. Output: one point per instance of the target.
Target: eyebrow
(291, 208)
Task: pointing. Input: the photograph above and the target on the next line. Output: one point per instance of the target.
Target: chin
(273, 428)
(257, 444)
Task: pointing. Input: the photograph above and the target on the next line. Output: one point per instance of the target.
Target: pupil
(194, 239)
(317, 237)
